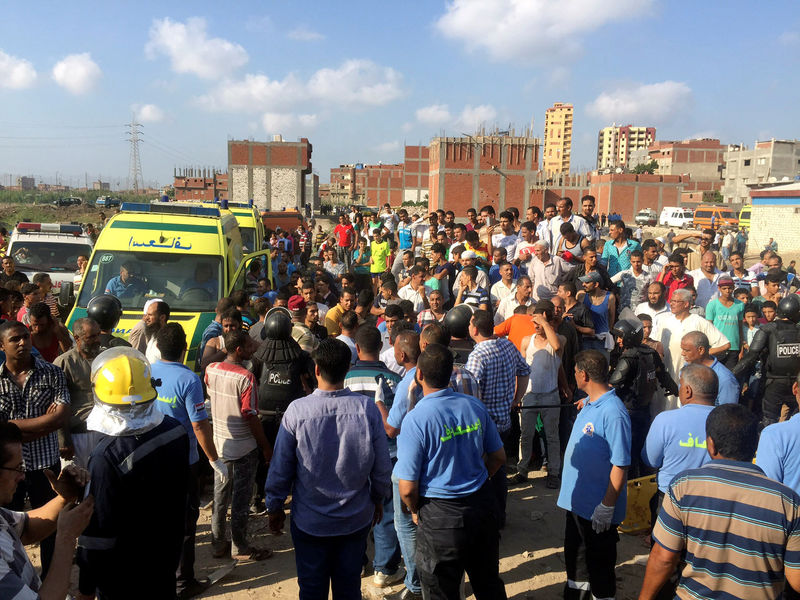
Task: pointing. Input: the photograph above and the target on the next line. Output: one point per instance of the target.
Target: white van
(673, 216)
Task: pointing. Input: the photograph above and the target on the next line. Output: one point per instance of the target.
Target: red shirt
(344, 235)
(672, 284)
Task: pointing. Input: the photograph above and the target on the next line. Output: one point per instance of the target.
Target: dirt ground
(531, 555)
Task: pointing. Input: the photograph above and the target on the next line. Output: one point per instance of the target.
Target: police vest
(280, 375)
(784, 349)
(641, 384)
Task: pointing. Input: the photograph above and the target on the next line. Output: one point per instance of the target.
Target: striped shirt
(377, 382)
(737, 527)
(18, 578)
(234, 399)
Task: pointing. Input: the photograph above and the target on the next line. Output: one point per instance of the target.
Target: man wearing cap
(726, 314)
(300, 331)
(546, 271)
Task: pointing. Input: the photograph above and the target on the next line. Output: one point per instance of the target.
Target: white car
(51, 248)
(674, 216)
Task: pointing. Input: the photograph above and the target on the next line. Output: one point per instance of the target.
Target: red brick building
(200, 185)
(486, 169)
(416, 174)
(271, 173)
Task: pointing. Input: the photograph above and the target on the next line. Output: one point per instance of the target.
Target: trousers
(590, 560)
(550, 420)
(185, 572)
(777, 393)
(235, 492)
(407, 536)
(457, 535)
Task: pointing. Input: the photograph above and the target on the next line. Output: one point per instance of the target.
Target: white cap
(468, 254)
(150, 303)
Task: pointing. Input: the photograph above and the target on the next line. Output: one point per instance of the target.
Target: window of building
(746, 162)
(762, 161)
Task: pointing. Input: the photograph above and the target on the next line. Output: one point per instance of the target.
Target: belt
(271, 413)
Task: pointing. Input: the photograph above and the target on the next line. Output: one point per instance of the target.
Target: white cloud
(147, 113)
(789, 38)
(77, 73)
(354, 83)
(435, 114)
(190, 50)
(388, 147)
(472, 117)
(532, 30)
(357, 82)
(304, 34)
(645, 104)
(16, 73)
(284, 122)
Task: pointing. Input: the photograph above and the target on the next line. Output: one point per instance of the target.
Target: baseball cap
(469, 254)
(589, 277)
(296, 303)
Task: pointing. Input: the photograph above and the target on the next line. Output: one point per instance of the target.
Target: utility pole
(135, 167)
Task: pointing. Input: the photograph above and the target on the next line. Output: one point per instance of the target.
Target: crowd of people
(395, 377)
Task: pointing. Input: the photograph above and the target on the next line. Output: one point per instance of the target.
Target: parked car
(107, 202)
(723, 217)
(744, 217)
(674, 216)
(646, 217)
(69, 201)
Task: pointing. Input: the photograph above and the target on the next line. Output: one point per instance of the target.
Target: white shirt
(706, 288)
(509, 242)
(350, 344)
(152, 353)
(408, 293)
(578, 223)
(390, 219)
(499, 291)
(670, 331)
(523, 251)
(387, 356)
(644, 309)
(506, 308)
(543, 232)
(482, 280)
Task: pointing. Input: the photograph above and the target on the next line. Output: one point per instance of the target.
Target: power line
(135, 167)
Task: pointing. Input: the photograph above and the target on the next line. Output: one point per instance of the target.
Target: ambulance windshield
(48, 256)
(248, 239)
(186, 283)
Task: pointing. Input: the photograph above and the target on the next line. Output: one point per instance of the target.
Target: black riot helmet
(106, 310)
(457, 321)
(631, 332)
(789, 308)
(277, 324)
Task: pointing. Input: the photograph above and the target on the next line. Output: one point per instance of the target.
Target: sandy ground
(531, 551)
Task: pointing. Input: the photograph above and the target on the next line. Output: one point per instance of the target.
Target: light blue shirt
(600, 439)
(778, 452)
(400, 404)
(442, 443)
(728, 390)
(180, 396)
(618, 261)
(677, 442)
(117, 288)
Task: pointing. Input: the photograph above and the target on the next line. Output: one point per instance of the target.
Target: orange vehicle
(287, 220)
(724, 217)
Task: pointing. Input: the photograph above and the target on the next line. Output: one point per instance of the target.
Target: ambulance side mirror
(66, 296)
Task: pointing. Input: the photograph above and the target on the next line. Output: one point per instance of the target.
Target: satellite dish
(618, 170)
(784, 178)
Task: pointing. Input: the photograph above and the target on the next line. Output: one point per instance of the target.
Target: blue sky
(360, 79)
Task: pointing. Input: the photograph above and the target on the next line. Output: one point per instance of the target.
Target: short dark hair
(488, 208)
(618, 223)
(769, 304)
(649, 243)
(40, 310)
(735, 253)
(483, 322)
(231, 313)
(349, 320)
(9, 434)
(775, 276)
(261, 306)
(407, 306)
(40, 277)
(235, 339)
(750, 307)
(394, 311)
(471, 272)
(240, 297)
(529, 225)
(224, 304)
(389, 284)
(677, 257)
(438, 248)
(368, 338)
(29, 288)
(551, 205)
(594, 363)
(734, 430)
(399, 328)
(416, 270)
(644, 317)
(507, 215)
(569, 287)
(436, 365)
(8, 326)
(566, 199)
(637, 253)
(349, 290)
(566, 228)
(332, 358)
(171, 341)
(435, 333)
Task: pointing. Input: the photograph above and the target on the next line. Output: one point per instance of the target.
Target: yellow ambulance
(188, 255)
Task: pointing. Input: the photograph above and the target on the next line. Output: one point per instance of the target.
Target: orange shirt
(516, 328)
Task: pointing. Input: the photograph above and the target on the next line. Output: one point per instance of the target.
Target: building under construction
(200, 184)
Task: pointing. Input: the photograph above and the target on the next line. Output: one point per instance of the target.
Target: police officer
(139, 479)
(777, 345)
(457, 323)
(285, 372)
(107, 311)
(444, 482)
(638, 371)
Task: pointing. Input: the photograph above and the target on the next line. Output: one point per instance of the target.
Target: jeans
(407, 537)
(324, 562)
(387, 548)
(37, 489)
(550, 419)
(235, 492)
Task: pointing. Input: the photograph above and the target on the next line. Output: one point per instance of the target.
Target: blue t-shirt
(400, 402)
(600, 438)
(180, 396)
(677, 442)
(778, 452)
(728, 390)
(442, 443)
(404, 235)
(494, 273)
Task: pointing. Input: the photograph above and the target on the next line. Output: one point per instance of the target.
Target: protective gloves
(601, 517)
(221, 468)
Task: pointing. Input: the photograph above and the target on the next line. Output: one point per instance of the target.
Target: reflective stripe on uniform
(96, 543)
(578, 585)
(150, 446)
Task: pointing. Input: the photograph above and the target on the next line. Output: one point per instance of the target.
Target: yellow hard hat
(121, 377)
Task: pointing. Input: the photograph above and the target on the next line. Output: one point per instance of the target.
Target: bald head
(699, 385)
(697, 339)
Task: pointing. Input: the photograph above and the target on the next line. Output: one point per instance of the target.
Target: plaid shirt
(45, 385)
(496, 364)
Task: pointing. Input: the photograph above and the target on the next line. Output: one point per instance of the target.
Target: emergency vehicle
(249, 219)
(188, 255)
(51, 248)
